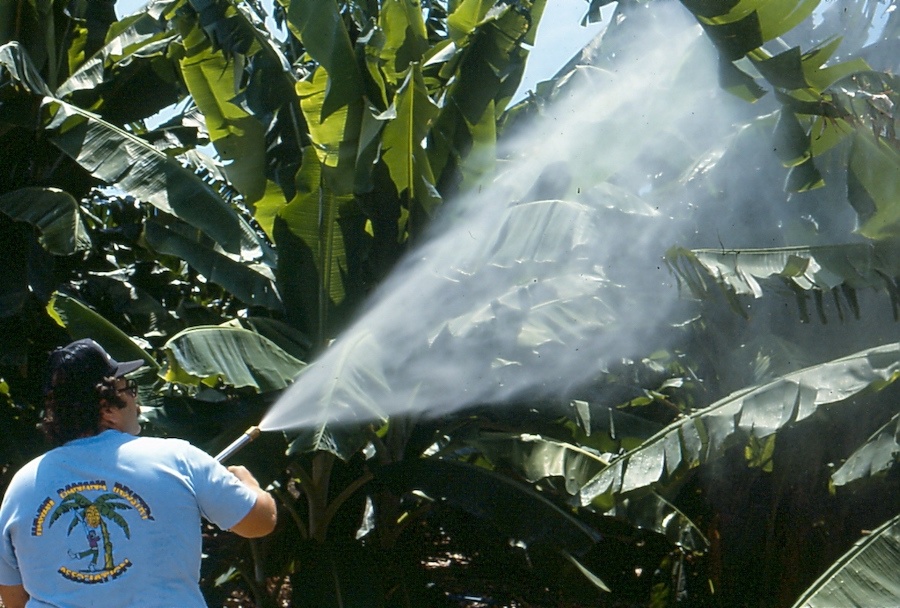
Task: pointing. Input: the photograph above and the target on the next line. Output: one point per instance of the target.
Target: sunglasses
(131, 387)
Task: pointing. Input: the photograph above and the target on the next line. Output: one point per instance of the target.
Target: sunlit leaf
(760, 411)
(335, 135)
(863, 577)
(873, 187)
(880, 453)
(405, 37)
(236, 356)
(82, 322)
(313, 219)
(238, 136)
(403, 136)
(326, 40)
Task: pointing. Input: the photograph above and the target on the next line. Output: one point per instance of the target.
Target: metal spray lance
(249, 435)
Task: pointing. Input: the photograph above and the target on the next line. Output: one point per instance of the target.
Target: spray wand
(249, 435)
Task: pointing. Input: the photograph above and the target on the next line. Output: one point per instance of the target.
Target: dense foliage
(742, 452)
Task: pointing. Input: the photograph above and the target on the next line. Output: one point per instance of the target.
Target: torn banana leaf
(863, 577)
(759, 411)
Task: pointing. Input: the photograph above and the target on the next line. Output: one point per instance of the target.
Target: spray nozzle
(248, 436)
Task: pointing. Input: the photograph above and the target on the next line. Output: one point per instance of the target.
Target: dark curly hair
(76, 392)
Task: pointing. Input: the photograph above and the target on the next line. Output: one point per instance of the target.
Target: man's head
(88, 393)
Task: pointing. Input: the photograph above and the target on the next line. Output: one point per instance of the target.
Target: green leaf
(821, 78)
(791, 139)
(335, 135)
(738, 82)
(406, 159)
(865, 576)
(880, 453)
(778, 18)
(734, 39)
(253, 284)
(325, 38)
(114, 81)
(468, 14)
(784, 70)
(122, 160)
(237, 135)
(240, 358)
(513, 508)
(405, 37)
(759, 411)
(54, 213)
(480, 83)
(873, 188)
(593, 578)
(824, 268)
(82, 322)
(536, 458)
(803, 177)
(313, 231)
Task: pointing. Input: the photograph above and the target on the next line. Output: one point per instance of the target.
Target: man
(133, 505)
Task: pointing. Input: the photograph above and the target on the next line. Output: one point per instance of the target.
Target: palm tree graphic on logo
(93, 515)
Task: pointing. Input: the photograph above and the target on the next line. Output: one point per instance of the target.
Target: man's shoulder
(160, 446)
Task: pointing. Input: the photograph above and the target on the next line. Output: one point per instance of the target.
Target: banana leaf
(405, 38)
(514, 508)
(406, 159)
(82, 322)
(536, 458)
(314, 227)
(759, 411)
(54, 213)
(880, 453)
(126, 162)
(115, 80)
(837, 269)
(482, 80)
(873, 187)
(325, 38)
(863, 577)
(253, 284)
(232, 355)
(122, 160)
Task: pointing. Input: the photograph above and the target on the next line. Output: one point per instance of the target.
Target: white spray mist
(516, 293)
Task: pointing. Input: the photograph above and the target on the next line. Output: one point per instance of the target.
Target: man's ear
(107, 416)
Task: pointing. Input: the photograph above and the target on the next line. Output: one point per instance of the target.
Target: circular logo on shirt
(98, 522)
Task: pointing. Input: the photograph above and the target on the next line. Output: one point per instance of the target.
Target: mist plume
(552, 270)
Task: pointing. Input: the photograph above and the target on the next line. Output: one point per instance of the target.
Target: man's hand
(262, 517)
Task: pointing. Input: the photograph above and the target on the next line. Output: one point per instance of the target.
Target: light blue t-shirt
(114, 520)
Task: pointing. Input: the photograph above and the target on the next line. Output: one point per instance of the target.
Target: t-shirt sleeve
(9, 564)
(223, 499)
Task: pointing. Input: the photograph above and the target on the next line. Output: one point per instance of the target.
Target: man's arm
(262, 517)
(13, 596)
